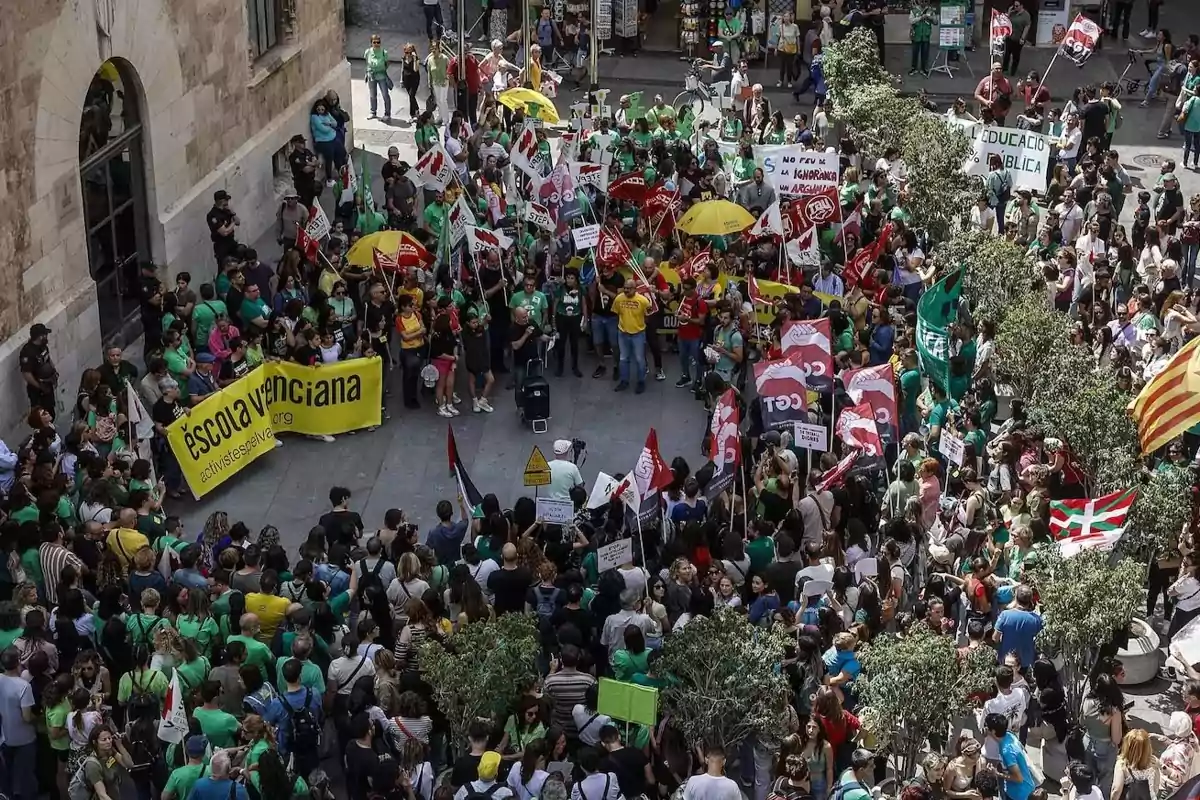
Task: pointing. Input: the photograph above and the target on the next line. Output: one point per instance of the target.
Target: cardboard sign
(952, 448)
(811, 437)
(613, 555)
(586, 236)
(555, 512)
(537, 471)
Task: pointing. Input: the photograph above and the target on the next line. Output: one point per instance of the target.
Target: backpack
(1135, 788)
(306, 731)
(839, 791)
(474, 794)
(547, 602)
(78, 788)
(143, 703)
(370, 578)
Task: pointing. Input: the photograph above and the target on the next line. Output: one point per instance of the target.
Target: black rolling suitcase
(535, 396)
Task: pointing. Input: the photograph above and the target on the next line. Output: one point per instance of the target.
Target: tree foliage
(1163, 508)
(482, 670)
(853, 62)
(900, 716)
(725, 680)
(1084, 599)
(938, 193)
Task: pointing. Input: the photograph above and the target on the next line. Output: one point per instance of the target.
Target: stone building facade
(198, 95)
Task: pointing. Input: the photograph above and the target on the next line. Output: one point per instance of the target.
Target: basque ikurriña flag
(1090, 524)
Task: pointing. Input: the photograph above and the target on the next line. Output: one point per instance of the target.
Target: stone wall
(213, 119)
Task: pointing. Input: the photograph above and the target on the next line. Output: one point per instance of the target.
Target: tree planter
(1141, 657)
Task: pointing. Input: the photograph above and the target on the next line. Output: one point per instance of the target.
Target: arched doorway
(111, 169)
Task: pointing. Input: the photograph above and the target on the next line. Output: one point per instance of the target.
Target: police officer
(222, 226)
(37, 368)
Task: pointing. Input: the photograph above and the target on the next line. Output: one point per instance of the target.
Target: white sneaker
(330, 183)
(485, 405)
(444, 412)
(475, 405)
(455, 399)
(454, 412)
(322, 437)
(278, 443)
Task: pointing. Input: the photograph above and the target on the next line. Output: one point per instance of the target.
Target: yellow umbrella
(535, 104)
(400, 245)
(715, 218)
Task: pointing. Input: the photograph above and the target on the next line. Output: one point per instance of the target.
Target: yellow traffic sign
(537, 471)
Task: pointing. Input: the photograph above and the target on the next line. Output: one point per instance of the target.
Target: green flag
(364, 181)
(635, 110)
(937, 308)
(687, 124)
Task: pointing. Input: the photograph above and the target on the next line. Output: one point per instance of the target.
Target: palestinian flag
(466, 488)
(1090, 524)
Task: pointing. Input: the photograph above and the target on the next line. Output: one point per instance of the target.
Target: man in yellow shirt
(126, 540)
(269, 607)
(631, 309)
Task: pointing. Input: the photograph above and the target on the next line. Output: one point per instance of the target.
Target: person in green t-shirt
(205, 314)
(182, 779)
(532, 300)
(921, 17)
(910, 391)
(219, 726)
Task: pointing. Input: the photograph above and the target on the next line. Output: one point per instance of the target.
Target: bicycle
(696, 93)
(1132, 86)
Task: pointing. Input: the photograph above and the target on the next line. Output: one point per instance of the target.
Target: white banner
(811, 437)
(614, 555)
(791, 169)
(1026, 154)
(586, 236)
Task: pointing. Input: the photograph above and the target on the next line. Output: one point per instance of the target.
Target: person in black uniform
(222, 226)
(37, 368)
(304, 166)
(875, 14)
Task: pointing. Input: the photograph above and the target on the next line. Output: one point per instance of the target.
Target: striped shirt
(54, 558)
(565, 689)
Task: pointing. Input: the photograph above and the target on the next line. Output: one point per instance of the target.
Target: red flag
(383, 261)
(837, 475)
(875, 386)
(815, 209)
(412, 254)
(858, 268)
(812, 338)
(306, 244)
(661, 206)
(723, 432)
(612, 249)
(856, 427)
(651, 474)
(770, 223)
(695, 266)
(752, 290)
(630, 186)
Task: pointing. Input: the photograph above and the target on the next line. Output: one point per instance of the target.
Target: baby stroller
(534, 397)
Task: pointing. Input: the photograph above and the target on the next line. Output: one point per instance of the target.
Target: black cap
(38, 329)
(221, 194)
(297, 139)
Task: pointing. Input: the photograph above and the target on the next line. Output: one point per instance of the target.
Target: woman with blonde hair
(959, 776)
(679, 588)
(1137, 767)
(387, 682)
(408, 583)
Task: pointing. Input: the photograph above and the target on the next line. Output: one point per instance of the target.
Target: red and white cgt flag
(412, 254)
(857, 430)
(876, 387)
(811, 338)
(482, 240)
(1081, 39)
(769, 224)
(436, 168)
(724, 434)
(649, 476)
(539, 215)
(307, 244)
(384, 262)
(586, 174)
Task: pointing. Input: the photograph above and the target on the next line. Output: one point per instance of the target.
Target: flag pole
(1046, 74)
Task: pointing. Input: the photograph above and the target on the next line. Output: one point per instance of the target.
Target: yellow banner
(238, 424)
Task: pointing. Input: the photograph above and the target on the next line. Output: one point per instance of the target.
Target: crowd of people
(295, 664)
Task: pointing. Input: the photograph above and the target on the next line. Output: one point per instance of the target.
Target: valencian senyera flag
(1170, 403)
(936, 309)
(1090, 524)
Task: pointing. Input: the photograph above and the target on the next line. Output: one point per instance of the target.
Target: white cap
(1179, 726)
(562, 447)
